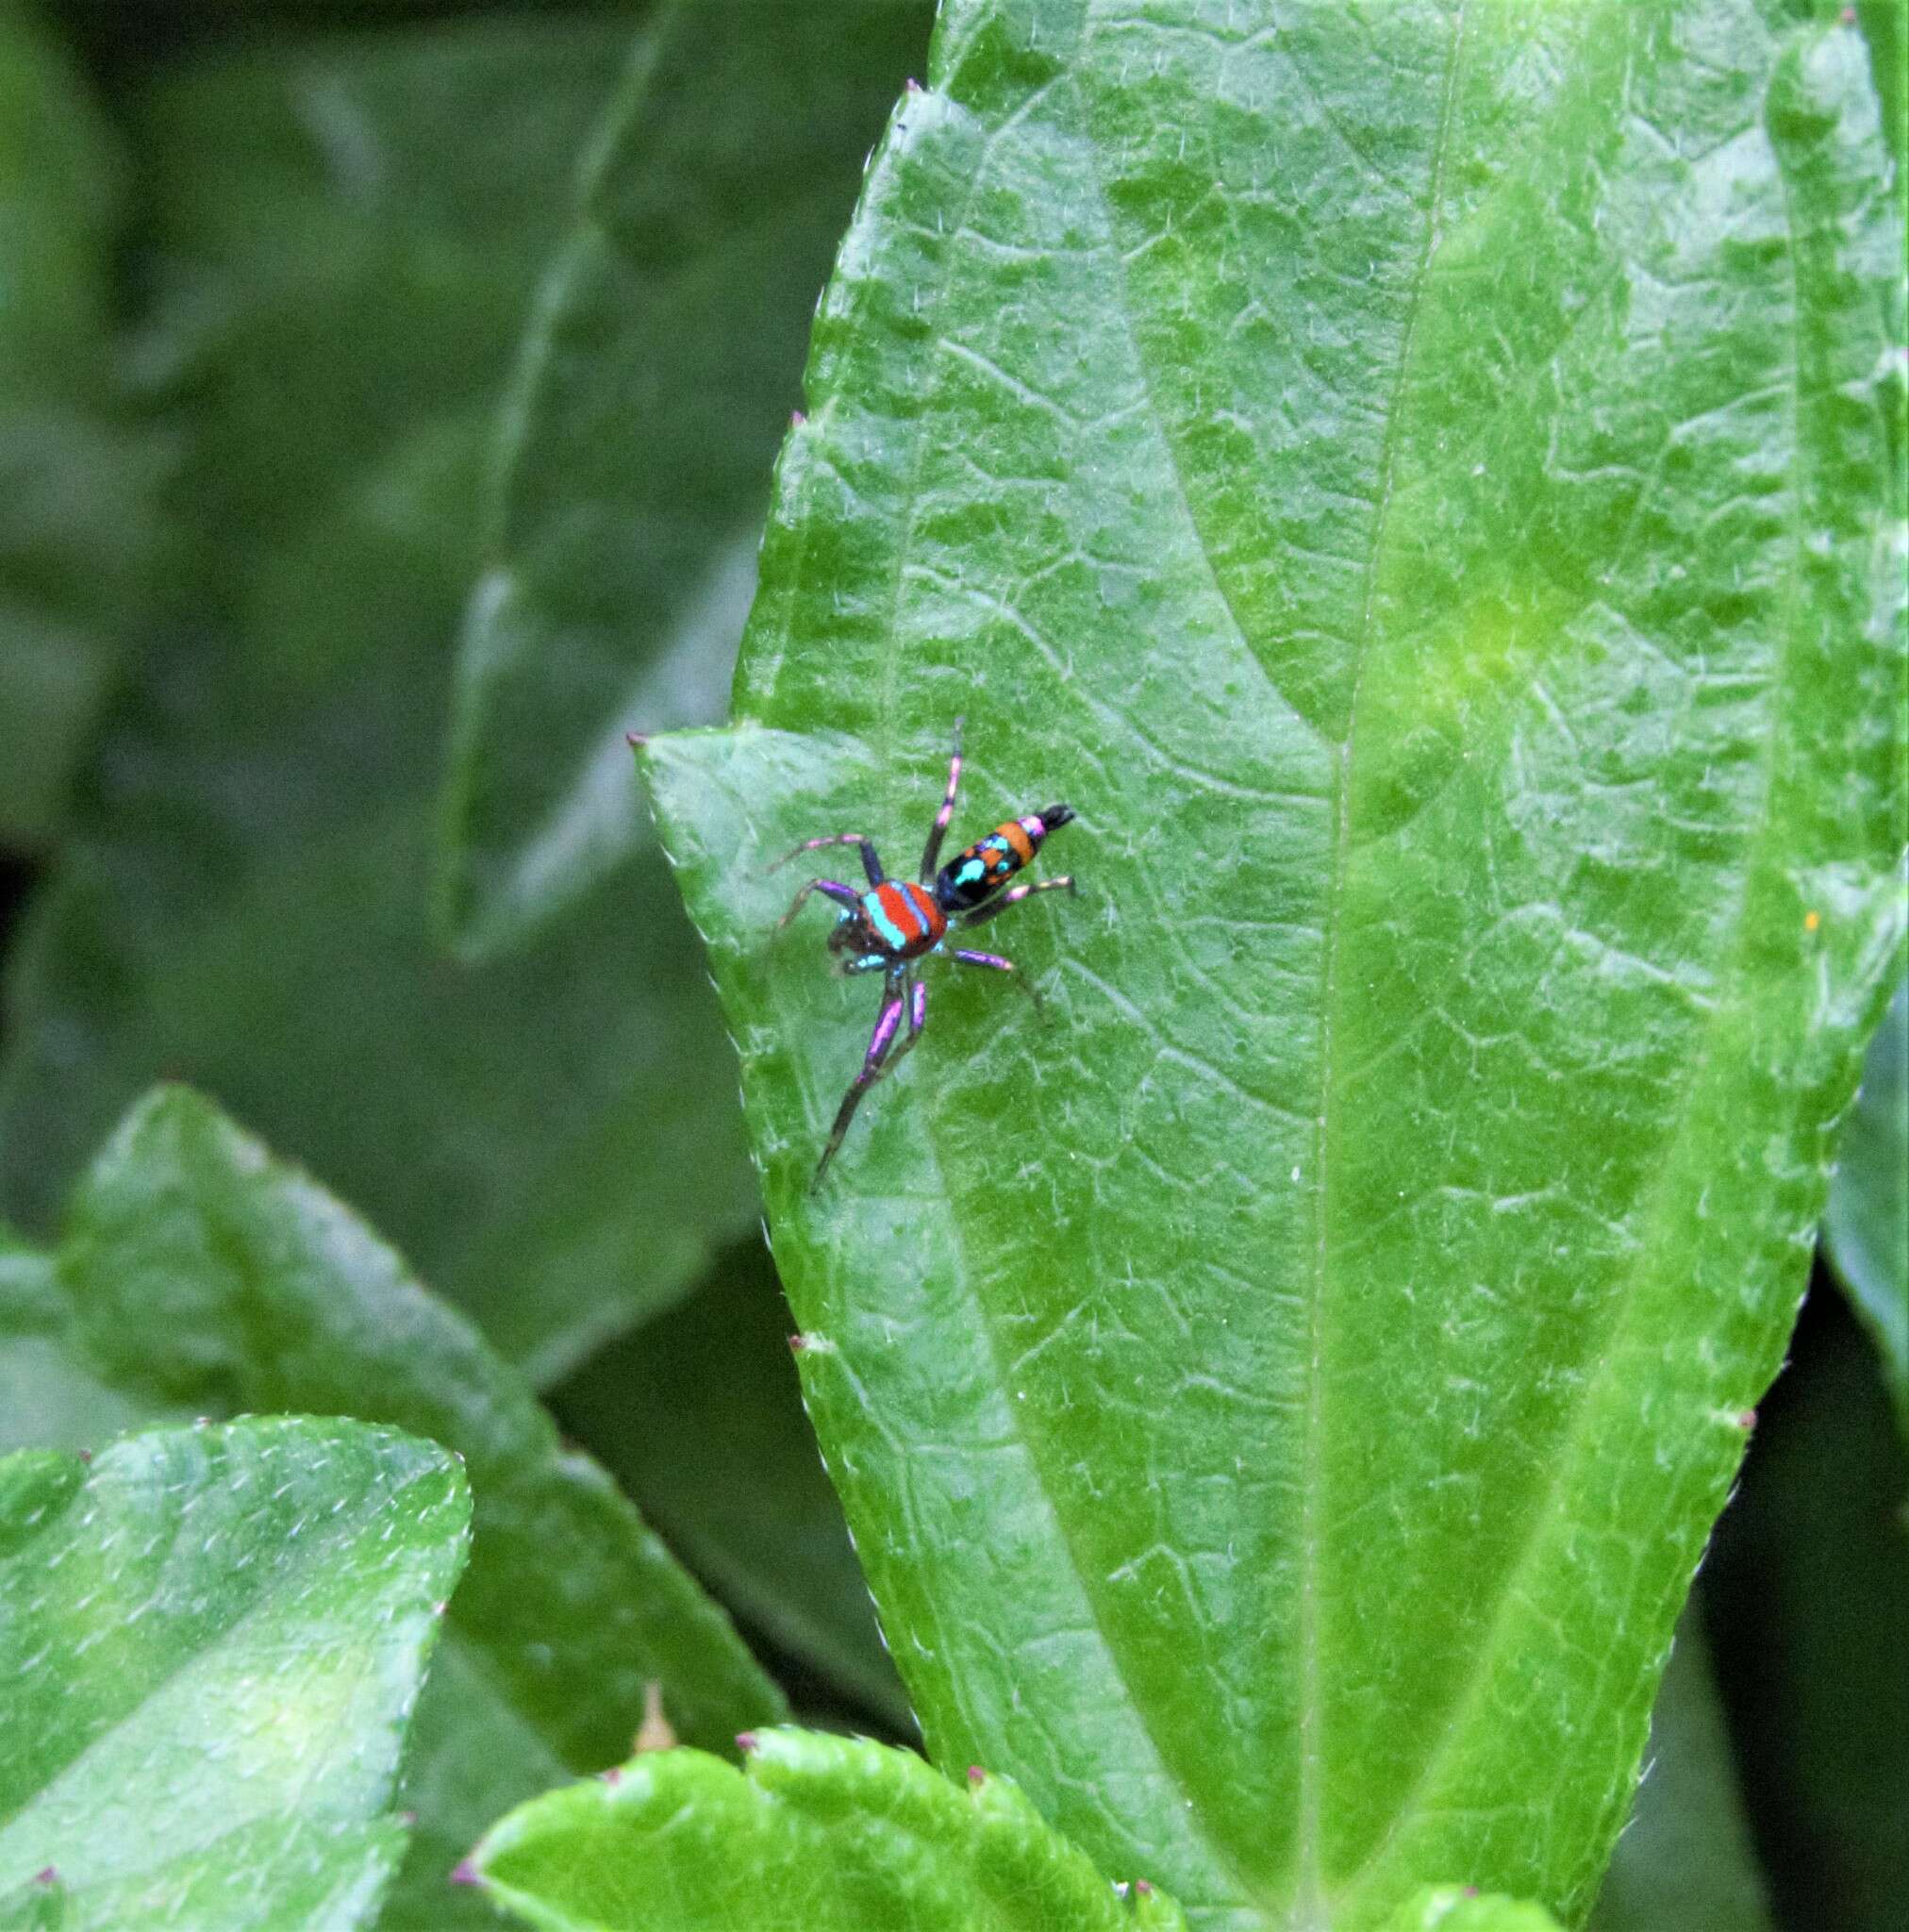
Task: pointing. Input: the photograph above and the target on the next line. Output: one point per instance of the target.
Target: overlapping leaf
(1429, 500)
(817, 1834)
(347, 235)
(211, 1641)
(198, 1274)
(636, 448)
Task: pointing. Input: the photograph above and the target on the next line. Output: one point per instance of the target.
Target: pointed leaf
(199, 1274)
(817, 1834)
(626, 500)
(1429, 501)
(1868, 1225)
(210, 1641)
(346, 236)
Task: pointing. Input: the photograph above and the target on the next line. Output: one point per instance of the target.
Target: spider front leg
(993, 963)
(937, 831)
(829, 889)
(872, 864)
(899, 997)
(996, 906)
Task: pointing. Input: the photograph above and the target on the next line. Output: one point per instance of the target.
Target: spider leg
(1014, 897)
(938, 830)
(829, 889)
(870, 864)
(993, 963)
(899, 998)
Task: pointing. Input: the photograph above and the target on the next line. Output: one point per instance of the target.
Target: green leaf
(1427, 500)
(348, 232)
(628, 491)
(1685, 1858)
(818, 1834)
(210, 1641)
(751, 1509)
(76, 527)
(199, 1274)
(1807, 1589)
(1867, 1224)
(1461, 1908)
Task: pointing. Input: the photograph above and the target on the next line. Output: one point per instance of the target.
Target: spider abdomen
(972, 877)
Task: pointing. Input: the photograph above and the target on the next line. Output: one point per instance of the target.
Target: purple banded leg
(993, 963)
(938, 830)
(995, 906)
(900, 1000)
(829, 889)
(870, 864)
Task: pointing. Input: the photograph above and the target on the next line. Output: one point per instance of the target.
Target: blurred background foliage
(360, 362)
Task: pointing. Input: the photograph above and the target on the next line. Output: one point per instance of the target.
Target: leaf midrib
(1309, 1906)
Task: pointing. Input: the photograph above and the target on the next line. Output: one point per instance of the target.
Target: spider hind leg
(903, 997)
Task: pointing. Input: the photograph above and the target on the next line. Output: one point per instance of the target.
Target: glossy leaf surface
(627, 499)
(210, 1642)
(815, 1833)
(348, 234)
(1868, 1225)
(199, 1274)
(1427, 500)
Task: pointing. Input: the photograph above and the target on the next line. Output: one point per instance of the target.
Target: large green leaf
(1426, 498)
(75, 526)
(650, 396)
(818, 1834)
(751, 1507)
(1868, 1225)
(199, 1274)
(210, 1642)
(349, 234)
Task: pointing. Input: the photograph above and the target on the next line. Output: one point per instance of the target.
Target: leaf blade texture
(198, 1274)
(1344, 476)
(213, 1641)
(814, 1833)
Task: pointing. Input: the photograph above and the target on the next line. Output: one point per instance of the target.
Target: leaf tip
(747, 1742)
(466, 1873)
(976, 1776)
(637, 740)
(47, 1874)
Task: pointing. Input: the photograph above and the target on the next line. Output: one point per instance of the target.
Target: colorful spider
(897, 923)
